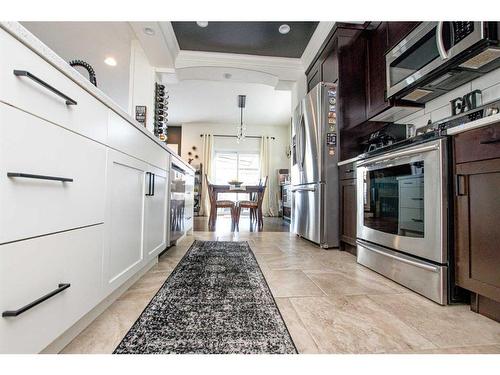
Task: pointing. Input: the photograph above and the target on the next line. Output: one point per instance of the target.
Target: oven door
(402, 200)
(426, 48)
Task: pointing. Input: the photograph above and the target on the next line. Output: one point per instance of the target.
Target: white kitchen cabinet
(155, 212)
(33, 268)
(125, 194)
(34, 154)
(44, 91)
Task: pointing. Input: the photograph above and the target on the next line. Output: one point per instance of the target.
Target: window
(231, 165)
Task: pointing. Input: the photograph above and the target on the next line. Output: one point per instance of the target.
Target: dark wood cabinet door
(330, 66)
(376, 81)
(477, 245)
(352, 81)
(396, 31)
(348, 211)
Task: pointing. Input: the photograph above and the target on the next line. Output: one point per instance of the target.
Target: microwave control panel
(461, 30)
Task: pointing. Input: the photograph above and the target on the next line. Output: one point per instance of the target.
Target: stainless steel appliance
(437, 57)
(314, 174)
(177, 202)
(402, 217)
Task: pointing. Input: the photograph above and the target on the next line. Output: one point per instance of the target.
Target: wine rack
(161, 112)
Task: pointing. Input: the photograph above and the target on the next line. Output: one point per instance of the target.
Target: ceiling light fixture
(202, 23)
(149, 31)
(110, 61)
(284, 29)
(241, 128)
(227, 75)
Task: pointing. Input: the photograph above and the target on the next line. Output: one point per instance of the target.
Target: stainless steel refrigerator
(314, 174)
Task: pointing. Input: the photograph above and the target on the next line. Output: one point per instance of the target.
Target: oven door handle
(397, 154)
(440, 42)
(424, 266)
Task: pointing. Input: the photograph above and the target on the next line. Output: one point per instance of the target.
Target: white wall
(439, 108)
(298, 92)
(142, 83)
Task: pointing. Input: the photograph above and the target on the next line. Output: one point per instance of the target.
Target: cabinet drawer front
(33, 206)
(477, 144)
(412, 182)
(412, 197)
(33, 268)
(125, 138)
(411, 219)
(87, 117)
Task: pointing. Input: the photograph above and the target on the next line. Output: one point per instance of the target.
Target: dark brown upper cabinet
(376, 84)
(396, 31)
(342, 60)
(381, 36)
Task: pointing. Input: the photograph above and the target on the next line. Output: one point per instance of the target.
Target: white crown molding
(317, 39)
(282, 67)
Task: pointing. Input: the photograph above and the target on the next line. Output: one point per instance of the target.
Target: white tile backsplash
(439, 108)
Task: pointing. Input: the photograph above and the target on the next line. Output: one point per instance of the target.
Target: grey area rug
(216, 301)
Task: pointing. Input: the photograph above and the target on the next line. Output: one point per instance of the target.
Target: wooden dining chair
(254, 205)
(215, 204)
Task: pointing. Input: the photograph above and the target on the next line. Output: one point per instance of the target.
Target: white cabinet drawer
(34, 207)
(33, 268)
(411, 219)
(412, 197)
(87, 117)
(124, 137)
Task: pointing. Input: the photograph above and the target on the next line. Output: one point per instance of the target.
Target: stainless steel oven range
(402, 216)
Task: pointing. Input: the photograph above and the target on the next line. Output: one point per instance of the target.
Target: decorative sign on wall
(161, 112)
(140, 114)
(465, 103)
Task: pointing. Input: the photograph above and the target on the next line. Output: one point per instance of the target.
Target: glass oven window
(394, 199)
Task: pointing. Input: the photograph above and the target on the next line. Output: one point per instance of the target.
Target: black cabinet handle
(24, 73)
(38, 177)
(151, 184)
(149, 193)
(59, 289)
(154, 178)
(490, 141)
(349, 170)
(418, 220)
(418, 199)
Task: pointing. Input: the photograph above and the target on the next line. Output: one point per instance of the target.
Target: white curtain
(270, 203)
(208, 149)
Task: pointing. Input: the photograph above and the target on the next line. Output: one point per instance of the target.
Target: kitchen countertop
(37, 46)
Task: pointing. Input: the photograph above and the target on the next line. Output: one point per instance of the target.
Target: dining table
(248, 189)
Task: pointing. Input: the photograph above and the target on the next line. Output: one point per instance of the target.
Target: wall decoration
(140, 114)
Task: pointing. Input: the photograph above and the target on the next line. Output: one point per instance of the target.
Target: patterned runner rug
(215, 301)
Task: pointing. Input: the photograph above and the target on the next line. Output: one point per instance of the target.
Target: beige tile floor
(329, 303)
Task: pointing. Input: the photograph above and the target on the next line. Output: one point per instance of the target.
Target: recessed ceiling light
(149, 31)
(110, 61)
(202, 23)
(227, 75)
(284, 29)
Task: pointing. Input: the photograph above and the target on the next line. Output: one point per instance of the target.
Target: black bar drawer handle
(24, 73)
(490, 141)
(417, 199)
(349, 170)
(59, 289)
(38, 177)
(418, 220)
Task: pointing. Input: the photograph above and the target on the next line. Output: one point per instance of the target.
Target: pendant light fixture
(241, 128)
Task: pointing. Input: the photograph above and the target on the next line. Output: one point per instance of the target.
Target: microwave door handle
(440, 42)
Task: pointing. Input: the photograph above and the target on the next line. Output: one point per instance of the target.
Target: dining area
(254, 203)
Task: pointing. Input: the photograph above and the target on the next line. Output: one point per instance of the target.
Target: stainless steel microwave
(437, 57)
